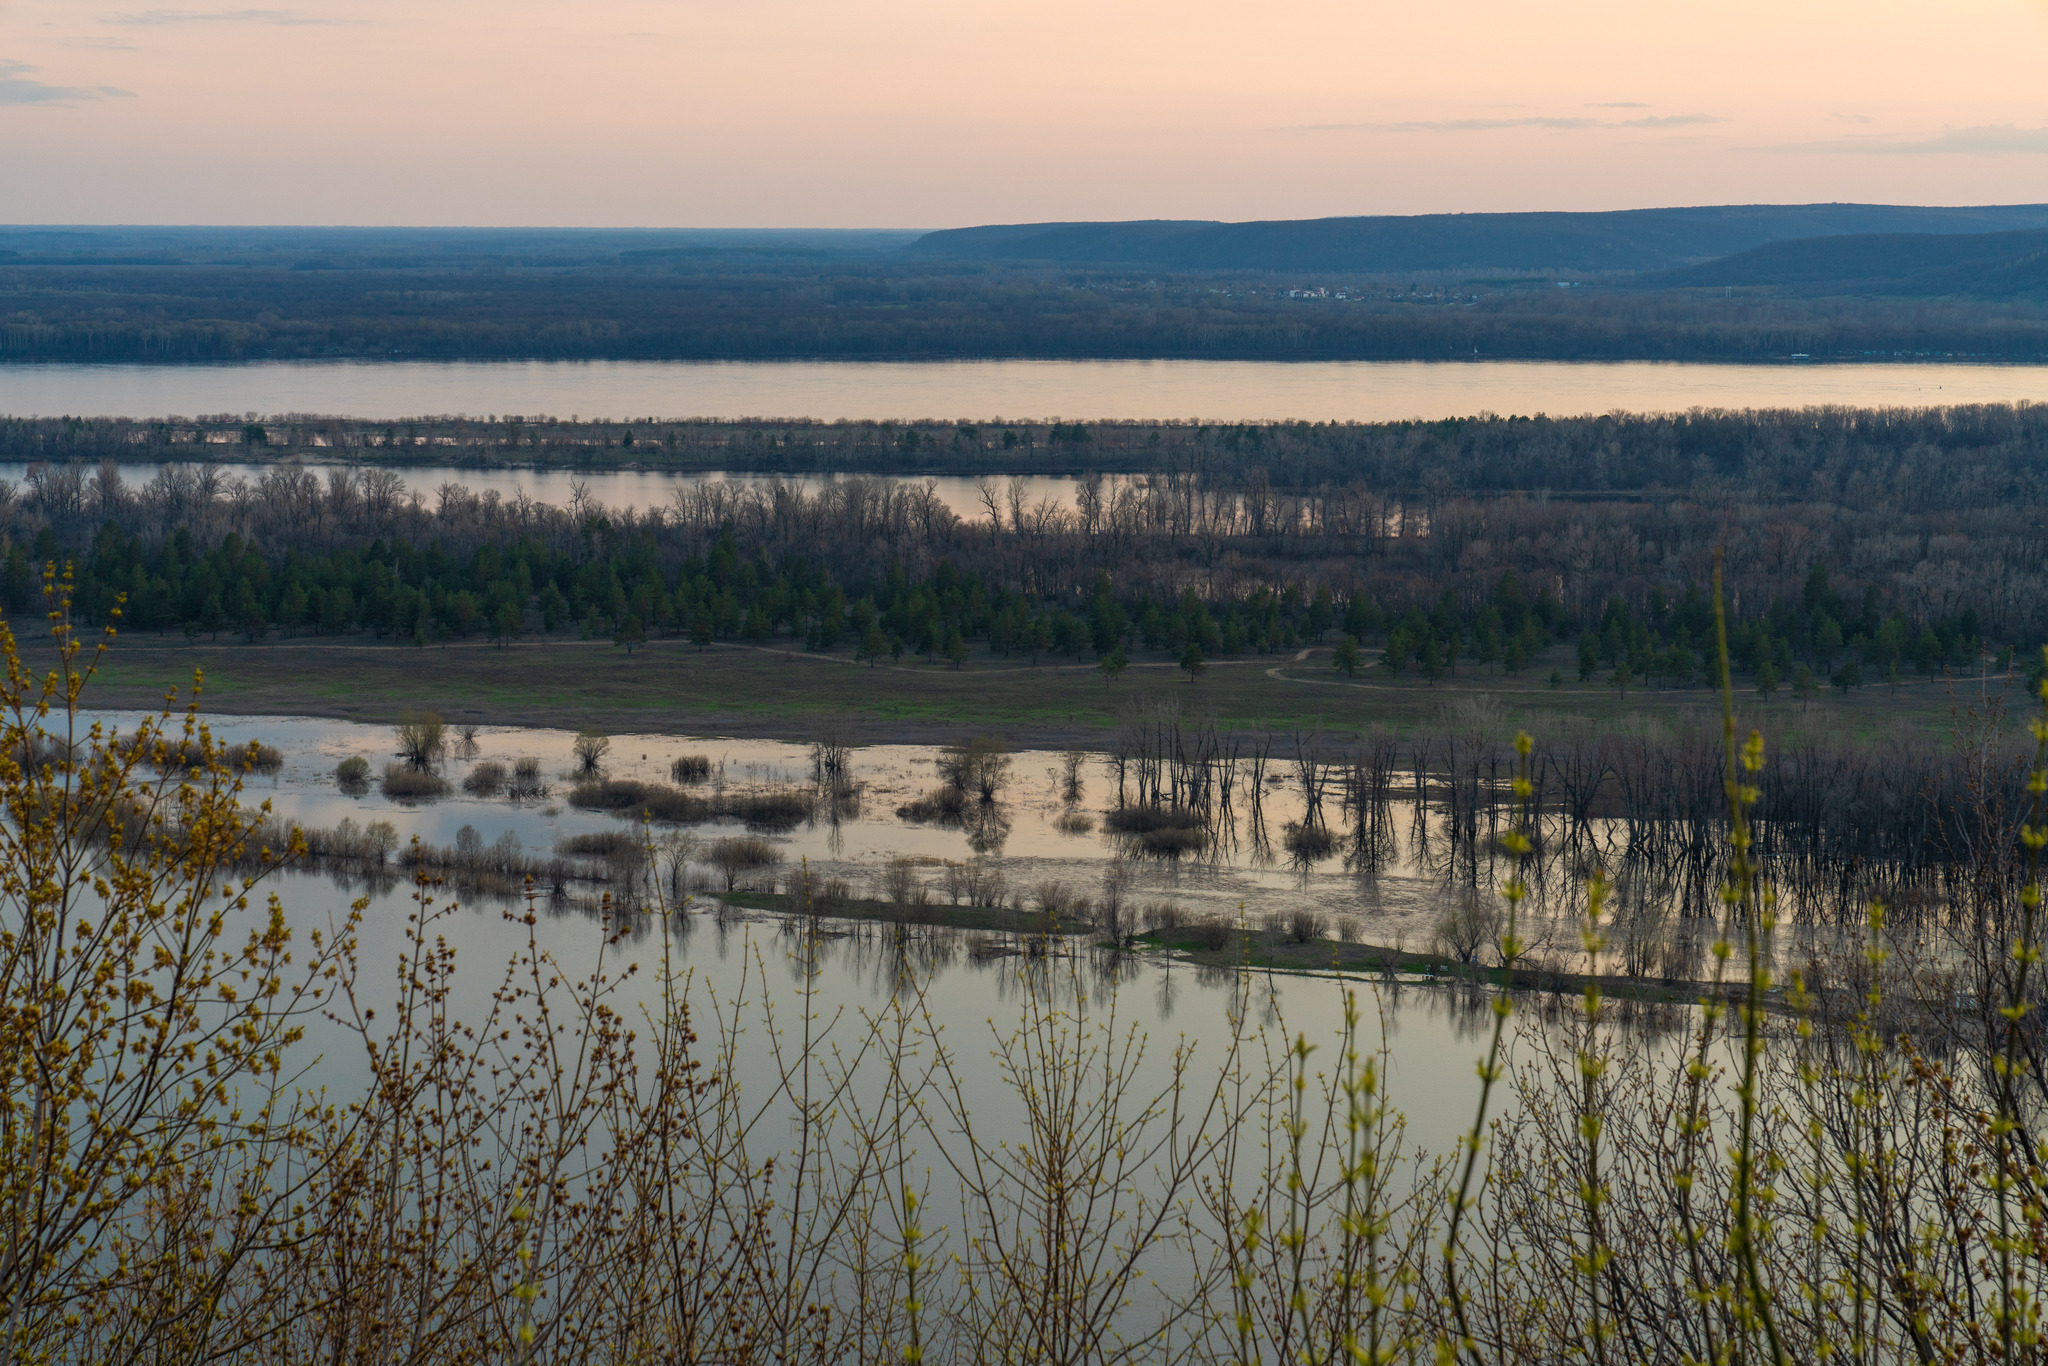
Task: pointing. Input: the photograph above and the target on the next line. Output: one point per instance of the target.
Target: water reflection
(1168, 390)
(646, 490)
(1190, 830)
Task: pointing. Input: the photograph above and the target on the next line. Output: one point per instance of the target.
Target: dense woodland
(1960, 460)
(1859, 546)
(812, 305)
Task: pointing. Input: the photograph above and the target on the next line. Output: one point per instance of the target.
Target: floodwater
(1395, 902)
(1019, 390)
(734, 956)
(750, 978)
(643, 489)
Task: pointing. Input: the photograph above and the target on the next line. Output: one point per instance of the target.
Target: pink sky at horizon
(916, 113)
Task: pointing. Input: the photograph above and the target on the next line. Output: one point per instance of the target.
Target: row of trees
(1228, 557)
(612, 583)
(402, 590)
(140, 311)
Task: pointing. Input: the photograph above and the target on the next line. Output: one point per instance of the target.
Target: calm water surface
(740, 962)
(758, 981)
(1215, 391)
(642, 489)
(1398, 901)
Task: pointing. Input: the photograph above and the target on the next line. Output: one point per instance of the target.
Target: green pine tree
(1349, 658)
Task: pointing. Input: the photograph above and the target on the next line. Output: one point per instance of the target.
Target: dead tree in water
(1368, 793)
(1262, 750)
(1226, 782)
(1313, 773)
(1418, 767)
(1580, 764)
(832, 760)
(1195, 752)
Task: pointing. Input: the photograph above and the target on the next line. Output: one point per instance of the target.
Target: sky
(940, 113)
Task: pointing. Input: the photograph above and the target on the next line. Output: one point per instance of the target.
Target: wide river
(1019, 390)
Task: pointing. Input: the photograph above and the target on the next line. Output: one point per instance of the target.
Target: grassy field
(672, 687)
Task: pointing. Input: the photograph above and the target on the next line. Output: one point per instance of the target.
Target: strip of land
(1001, 919)
(673, 687)
(1256, 950)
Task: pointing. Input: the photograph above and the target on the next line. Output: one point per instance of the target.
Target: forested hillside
(2002, 266)
(1628, 239)
(335, 295)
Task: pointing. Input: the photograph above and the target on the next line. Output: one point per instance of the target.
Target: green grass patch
(670, 686)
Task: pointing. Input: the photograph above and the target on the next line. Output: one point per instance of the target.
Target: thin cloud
(1988, 140)
(1671, 121)
(1480, 125)
(1620, 104)
(156, 18)
(20, 88)
(1566, 124)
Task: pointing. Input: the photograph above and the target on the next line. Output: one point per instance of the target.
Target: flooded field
(1037, 836)
(641, 490)
(837, 1059)
(751, 964)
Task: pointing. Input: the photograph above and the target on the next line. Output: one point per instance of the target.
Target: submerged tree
(590, 748)
(978, 768)
(422, 738)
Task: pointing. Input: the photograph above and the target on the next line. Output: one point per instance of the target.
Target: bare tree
(421, 737)
(590, 748)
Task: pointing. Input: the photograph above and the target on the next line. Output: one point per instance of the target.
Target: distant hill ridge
(1622, 240)
(1997, 265)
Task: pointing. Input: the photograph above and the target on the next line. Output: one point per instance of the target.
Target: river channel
(1018, 390)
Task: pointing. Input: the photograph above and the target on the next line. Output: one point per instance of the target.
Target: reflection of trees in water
(835, 813)
(1175, 776)
(839, 790)
(680, 926)
(973, 774)
(986, 824)
(1110, 970)
(895, 960)
(1169, 991)
(987, 827)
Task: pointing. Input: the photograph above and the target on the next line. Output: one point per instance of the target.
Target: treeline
(620, 589)
(800, 306)
(1961, 459)
(1891, 540)
(884, 569)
